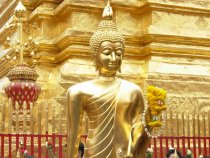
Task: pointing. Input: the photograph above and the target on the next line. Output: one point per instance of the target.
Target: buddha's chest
(115, 102)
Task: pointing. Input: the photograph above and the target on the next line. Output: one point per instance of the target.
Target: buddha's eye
(106, 51)
(118, 52)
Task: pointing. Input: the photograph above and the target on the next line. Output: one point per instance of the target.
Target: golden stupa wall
(167, 45)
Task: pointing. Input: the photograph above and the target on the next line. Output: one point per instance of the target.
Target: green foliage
(149, 154)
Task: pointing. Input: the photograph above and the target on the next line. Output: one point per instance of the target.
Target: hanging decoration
(156, 98)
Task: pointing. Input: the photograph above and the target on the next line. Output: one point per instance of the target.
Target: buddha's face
(109, 57)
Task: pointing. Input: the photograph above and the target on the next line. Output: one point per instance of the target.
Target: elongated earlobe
(96, 68)
(96, 65)
(119, 70)
(120, 65)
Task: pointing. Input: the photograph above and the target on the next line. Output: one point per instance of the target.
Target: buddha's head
(107, 45)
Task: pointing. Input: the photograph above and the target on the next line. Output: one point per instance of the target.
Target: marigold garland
(156, 100)
(156, 105)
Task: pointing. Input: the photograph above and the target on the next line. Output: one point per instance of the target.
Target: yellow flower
(156, 101)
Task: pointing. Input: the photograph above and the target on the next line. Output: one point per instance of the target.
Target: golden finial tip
(20, 10)
(108, 4)
(107, 13)
(20, 7)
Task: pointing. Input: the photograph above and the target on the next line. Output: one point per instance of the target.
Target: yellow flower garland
(156, 101)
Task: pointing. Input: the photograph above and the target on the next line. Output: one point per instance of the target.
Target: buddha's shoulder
(130, 86)
(79, 87)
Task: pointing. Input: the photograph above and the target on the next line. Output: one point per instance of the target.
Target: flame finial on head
(107, 13)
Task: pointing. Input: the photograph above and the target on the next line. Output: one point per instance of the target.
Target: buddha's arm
(74, 114)
(136, 113)
(140, 139)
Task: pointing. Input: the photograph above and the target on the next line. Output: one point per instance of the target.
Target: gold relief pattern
(127, 2)
(178, 104)
(80, 21)
(201, 23)
(51, 29)
(172, 20)
(133, 68)
(202, 4)
(187, 3)
(155, 18)
(127, 23)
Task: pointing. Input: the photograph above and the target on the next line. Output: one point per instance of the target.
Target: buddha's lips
(112, 64)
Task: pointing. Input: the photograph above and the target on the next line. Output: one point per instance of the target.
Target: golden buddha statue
(113, 106)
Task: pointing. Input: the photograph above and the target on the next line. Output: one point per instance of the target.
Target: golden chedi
(113, 106)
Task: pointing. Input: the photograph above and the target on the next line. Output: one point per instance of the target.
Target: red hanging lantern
(22, 87)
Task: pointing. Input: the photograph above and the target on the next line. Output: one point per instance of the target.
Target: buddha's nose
(113, 56)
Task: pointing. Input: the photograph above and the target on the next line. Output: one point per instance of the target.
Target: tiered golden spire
(20, 11)
(22, 77)
(20, 47)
